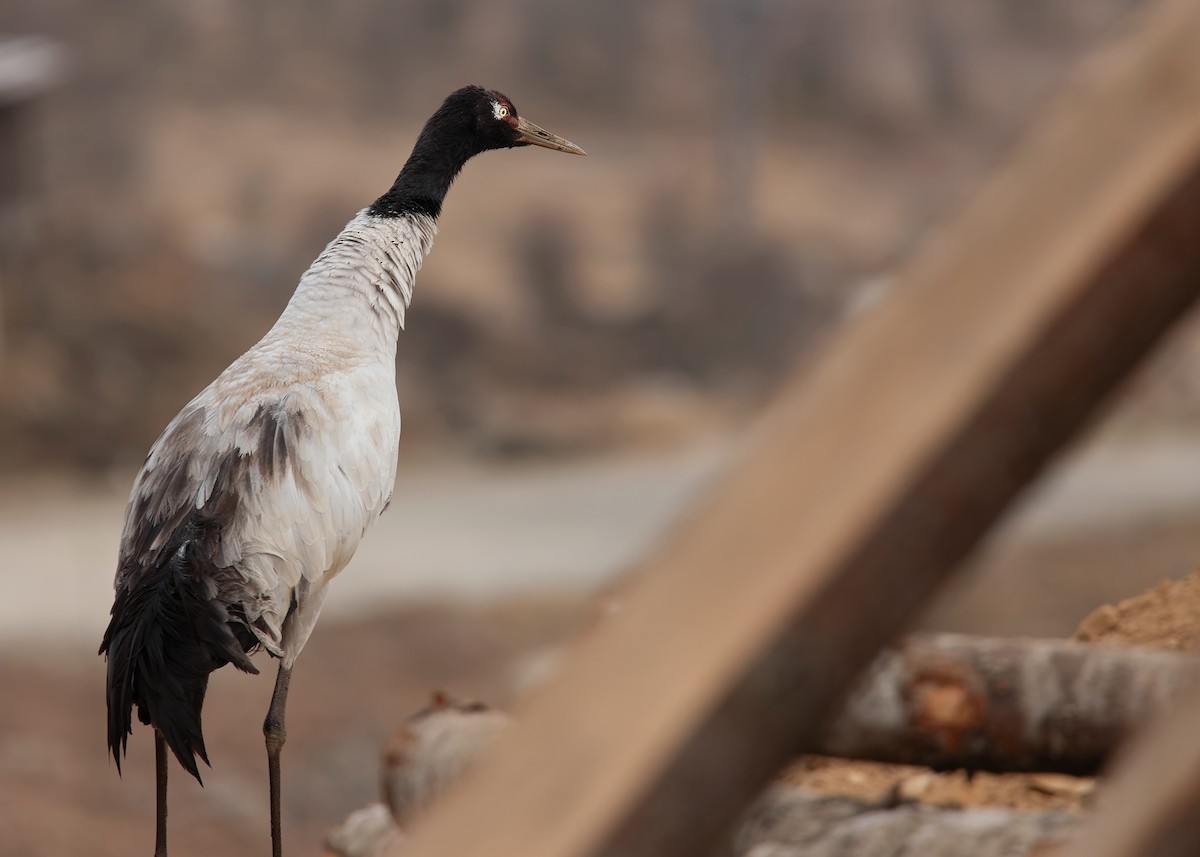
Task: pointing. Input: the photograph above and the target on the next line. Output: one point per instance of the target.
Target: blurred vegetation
(126, 300)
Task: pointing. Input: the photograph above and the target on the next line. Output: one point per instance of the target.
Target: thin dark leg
(160, 826)
(276, 734)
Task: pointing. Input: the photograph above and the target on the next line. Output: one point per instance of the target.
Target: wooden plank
(1149, 810)
(866, 484)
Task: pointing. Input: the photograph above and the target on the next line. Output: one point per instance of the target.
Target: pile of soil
(1166, 616)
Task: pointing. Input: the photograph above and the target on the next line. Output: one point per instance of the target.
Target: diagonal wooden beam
(867, 482)
(1149, 810)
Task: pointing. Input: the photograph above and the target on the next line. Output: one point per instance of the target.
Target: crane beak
(532, 135)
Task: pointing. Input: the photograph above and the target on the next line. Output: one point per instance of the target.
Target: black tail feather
(167, 633)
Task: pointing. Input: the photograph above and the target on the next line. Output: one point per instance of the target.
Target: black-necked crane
(258, 492)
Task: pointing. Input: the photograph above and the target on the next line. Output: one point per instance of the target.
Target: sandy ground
(452, 530)
(461, 530)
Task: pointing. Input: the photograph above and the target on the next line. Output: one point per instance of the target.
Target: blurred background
(589, 340)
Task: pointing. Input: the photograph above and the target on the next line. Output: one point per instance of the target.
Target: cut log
(422, 759)
(938, 700)
(953, 701)
(430, 751)
(789, 822)
(367, 832)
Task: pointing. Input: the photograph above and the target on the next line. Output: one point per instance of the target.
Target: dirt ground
(60, 794)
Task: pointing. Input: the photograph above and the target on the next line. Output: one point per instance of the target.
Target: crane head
(496, 123)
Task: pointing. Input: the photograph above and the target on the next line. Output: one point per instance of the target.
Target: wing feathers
(239, 511)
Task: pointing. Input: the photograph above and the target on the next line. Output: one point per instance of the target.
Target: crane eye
(499, 110)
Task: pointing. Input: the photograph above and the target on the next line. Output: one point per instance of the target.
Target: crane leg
(276, 734)
(160, 768)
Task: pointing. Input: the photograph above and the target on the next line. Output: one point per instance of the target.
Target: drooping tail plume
(167, 633)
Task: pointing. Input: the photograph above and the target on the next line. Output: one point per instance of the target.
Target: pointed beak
(529, 133)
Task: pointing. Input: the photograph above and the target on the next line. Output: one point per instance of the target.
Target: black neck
(446, 143)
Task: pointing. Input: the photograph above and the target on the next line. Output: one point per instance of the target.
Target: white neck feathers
(370, 265)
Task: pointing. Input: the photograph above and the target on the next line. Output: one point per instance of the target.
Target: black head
(471, 120)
